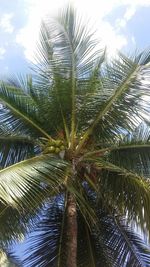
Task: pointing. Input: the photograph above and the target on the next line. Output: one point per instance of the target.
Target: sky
(120, 25)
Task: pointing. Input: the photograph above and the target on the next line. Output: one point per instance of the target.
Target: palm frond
(124, 246)
(8, 260)
(129, 191)
(47, 242)
(67, 55)
(15, 148)
(19, 110)
(13, 225)
(23, 183)
(133, 157)
(91, 252)
(109, 111)
(131, 151)
(118, 241)
(67, 46)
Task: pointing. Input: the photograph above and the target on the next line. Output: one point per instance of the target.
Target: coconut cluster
(54, 146)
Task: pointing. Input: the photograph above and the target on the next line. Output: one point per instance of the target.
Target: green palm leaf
(130, 191)
(125, 247)
(48, 242)
(91, 252)
(15, 148)
(22, 182)
(122, 87)
(66, 56)
(133, 152)
(13, 225)
(19, 109)
(8, 260)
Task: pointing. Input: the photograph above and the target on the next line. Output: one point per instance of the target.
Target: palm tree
(75, 153)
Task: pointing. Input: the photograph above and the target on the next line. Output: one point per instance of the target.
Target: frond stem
(109, 149)
(73, 74)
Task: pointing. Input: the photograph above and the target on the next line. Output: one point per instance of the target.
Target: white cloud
(130, 12)
(111, 39)
(131, 9)
(94, 9)
(2, 52)
(5, 23)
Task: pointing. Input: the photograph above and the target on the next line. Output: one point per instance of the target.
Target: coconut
(58, 143)
(52, 143)
(62, 148)
(51, 149)
(57, 150)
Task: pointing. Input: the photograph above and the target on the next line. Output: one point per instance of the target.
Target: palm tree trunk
(71, 232)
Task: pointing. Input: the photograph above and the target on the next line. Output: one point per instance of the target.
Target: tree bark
(71, 232)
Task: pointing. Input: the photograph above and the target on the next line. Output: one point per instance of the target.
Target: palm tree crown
(75, 153)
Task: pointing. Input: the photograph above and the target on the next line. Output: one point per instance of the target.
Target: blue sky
(120, 24)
